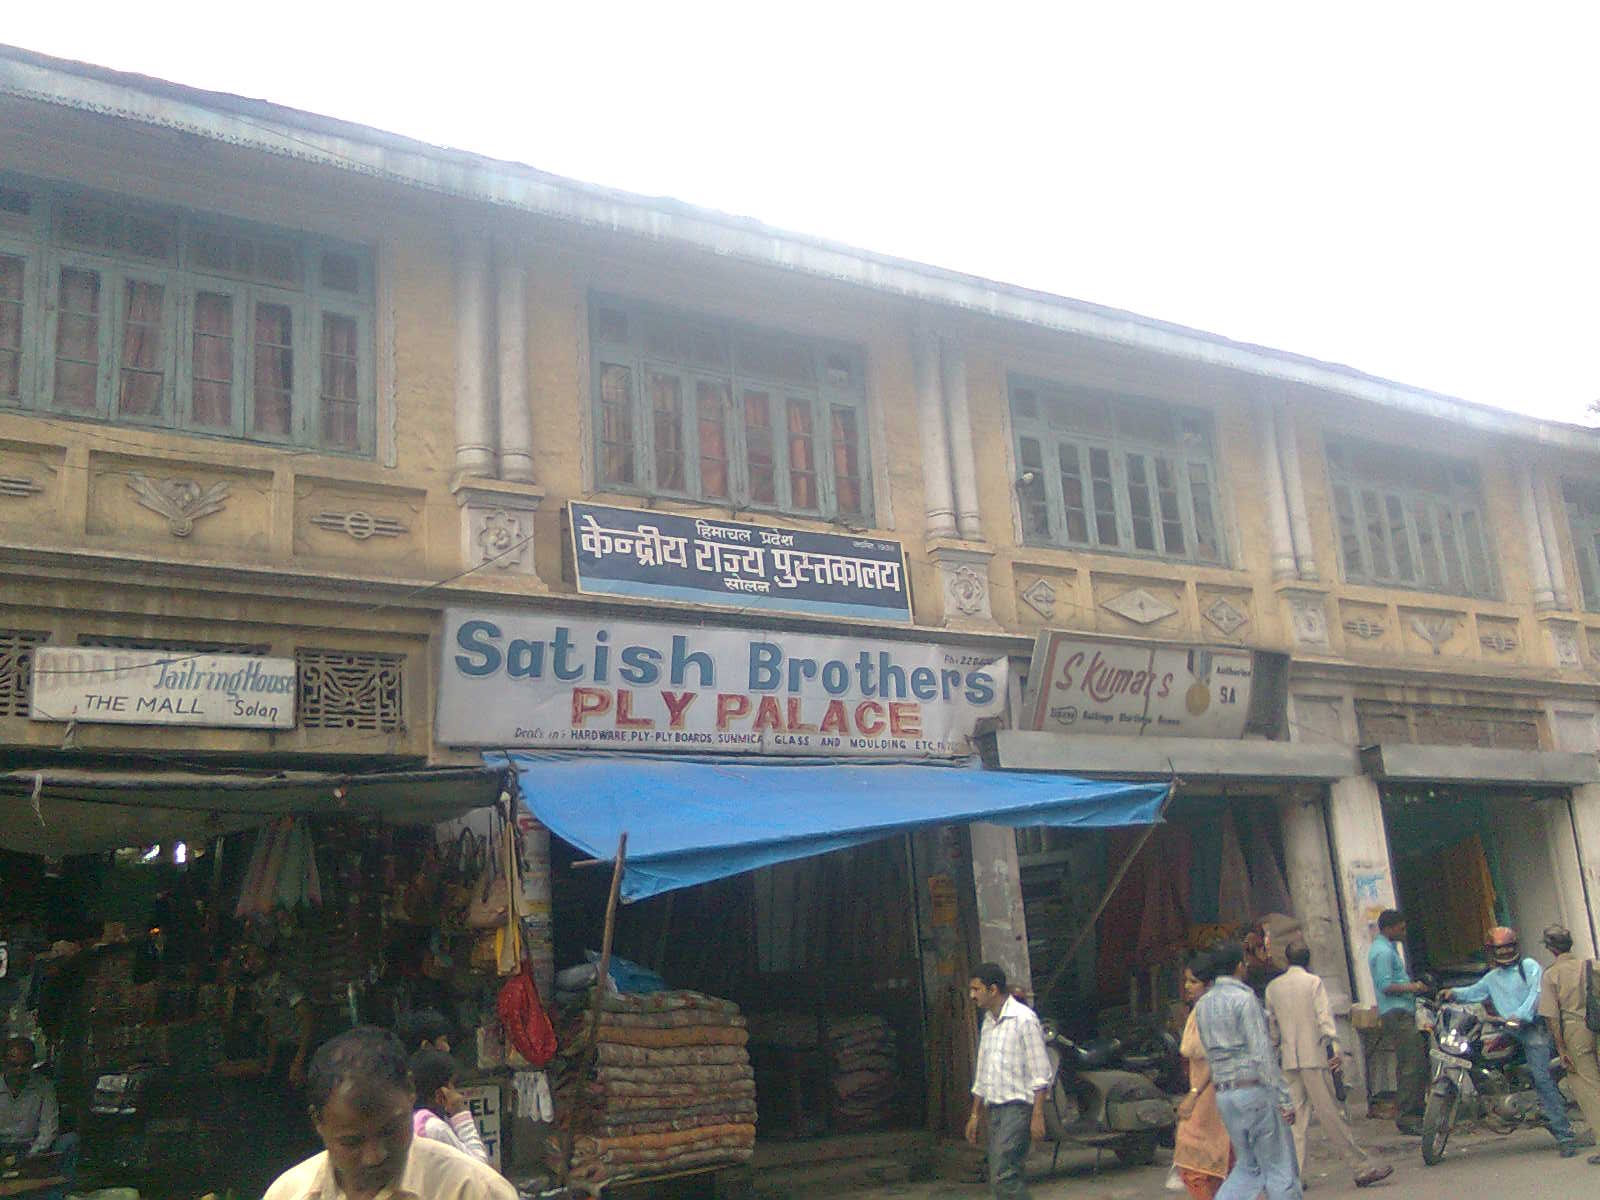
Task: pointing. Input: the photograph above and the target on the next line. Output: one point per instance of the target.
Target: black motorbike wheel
(1136, 1150)
(1438, 1118)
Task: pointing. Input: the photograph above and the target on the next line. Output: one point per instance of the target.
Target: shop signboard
(1088, 685)
(536, 680)
(732, 564)
(156, 687)
(483, 1102)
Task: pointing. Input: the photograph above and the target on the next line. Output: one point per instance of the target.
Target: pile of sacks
(861, 1072)
(671, 1087)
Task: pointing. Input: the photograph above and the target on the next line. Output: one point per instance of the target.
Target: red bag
(526, 1023)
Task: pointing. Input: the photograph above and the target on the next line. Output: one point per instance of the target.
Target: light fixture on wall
(1027, 479)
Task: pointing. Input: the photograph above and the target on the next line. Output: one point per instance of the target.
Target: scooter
(1479, 1072)
(1095, 1102)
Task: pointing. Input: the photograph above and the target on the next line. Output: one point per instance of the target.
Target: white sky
(1409, 189)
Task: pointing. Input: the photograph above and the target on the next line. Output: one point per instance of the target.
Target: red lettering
(869, 709)
(796, 725)
(905, 719)
(589, 702)
(1066, 671)
(1166, 686)
(625, 717)
(730, 705)
(768, 715)
(677, 704)
(835, 720)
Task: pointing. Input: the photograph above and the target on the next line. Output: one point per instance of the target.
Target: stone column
(1366, 880)
(1538, 559)
(516, 417)
(1311, 888)
(939, 505)
(997, 882)
(1586, 825)
(1294, 484)
(475, 450)
(1281, 540)
(953, 362)
(1552, 544)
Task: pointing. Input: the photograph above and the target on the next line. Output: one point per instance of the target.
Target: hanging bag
(526, 1023)
(1591, 997)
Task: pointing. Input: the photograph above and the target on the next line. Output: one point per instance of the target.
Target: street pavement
(1520, 1166)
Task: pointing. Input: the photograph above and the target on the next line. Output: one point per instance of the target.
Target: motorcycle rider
(1513, 985)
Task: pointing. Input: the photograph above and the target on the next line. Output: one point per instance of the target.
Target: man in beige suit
(1302, 1026)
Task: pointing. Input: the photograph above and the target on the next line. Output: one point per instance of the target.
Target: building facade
(277, 386)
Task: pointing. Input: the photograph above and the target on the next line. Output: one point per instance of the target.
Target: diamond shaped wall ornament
(1140, 607)
(1040, 597)
(1364, 628)
(1225, 616)
(1436, 629)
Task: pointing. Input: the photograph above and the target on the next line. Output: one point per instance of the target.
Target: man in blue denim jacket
(1512, 985)
(1252, 1095)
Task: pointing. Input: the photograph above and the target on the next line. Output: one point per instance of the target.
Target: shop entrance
(1212, 869)
(1467, 859)
(820, 955)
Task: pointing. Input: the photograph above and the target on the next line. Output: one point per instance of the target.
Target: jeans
(1262, 1146)
(1009, 1140)
(1536, 1046)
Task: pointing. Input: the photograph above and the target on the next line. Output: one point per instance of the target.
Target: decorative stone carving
(181, 501)
(1140, 607)
(1040, 597)
(17, 487)
(964, 582)
(1225, 616)
(967, 590)
(1564, 644)
(1308, 618)
(359, 524)
(1364, 628)
(497, 526)
(1434, 628)
(1499, 641)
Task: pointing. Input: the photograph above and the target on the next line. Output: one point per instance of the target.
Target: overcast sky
(1408, 189)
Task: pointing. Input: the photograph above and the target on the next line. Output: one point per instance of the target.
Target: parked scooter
(1094, 1101)
(1479, 1073)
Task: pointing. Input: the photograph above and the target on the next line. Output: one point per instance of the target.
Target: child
(433, 1073)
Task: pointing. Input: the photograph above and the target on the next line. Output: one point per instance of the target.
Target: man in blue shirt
(1512, 986)
(1397, 1020)
(1252, 1096)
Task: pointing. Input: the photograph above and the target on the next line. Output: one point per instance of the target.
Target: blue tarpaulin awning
(694, 819)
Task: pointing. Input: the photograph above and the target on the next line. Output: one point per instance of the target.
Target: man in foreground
(1562, 1004)
(1397, 1020)
(1513, 984)
(1251, 1093)
(1302, 1025)
(1012, 1078)
(30, 1117)
(361, 1103)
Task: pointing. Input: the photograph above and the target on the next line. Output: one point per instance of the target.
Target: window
(1109, 473)
(1409, 519)
(1583, 509)
(143, 316)
(707, 410)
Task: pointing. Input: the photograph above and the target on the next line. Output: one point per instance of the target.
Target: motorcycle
(1094, 1101)
(1479, 1072)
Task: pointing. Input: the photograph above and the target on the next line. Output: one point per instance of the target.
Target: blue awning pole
(1111, 890)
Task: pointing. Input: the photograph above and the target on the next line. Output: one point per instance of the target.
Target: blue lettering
(641, 665)
(801, 668)
(888, 671)
(835, 678)
(765, 667)
(950, 681)
(980, 687)
(602, 655)
(681, 660)
(475, 638)
(524, 660)
(924, 684)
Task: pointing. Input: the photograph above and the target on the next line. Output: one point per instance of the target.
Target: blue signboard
(730, 564)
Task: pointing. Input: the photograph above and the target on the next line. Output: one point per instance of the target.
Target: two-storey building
(283, 388)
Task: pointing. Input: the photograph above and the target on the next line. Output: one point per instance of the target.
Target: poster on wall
(1089, 685)
(732, 564)
(536, 680)
(156, 687)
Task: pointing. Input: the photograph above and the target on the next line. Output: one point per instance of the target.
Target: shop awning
(690, 820)
(61, 811)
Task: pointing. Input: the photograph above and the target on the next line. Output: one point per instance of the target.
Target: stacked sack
(861, 1072)
(671, 1088)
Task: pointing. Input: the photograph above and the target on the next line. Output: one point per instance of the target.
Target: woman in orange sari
(1202, 1153)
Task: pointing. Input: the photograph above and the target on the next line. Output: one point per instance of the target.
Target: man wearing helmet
(1512, 984)
(1561, 1004)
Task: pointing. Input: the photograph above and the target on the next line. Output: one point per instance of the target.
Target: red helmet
(1503, 948)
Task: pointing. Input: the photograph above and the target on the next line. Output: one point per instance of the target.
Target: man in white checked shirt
(1013, 1077)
